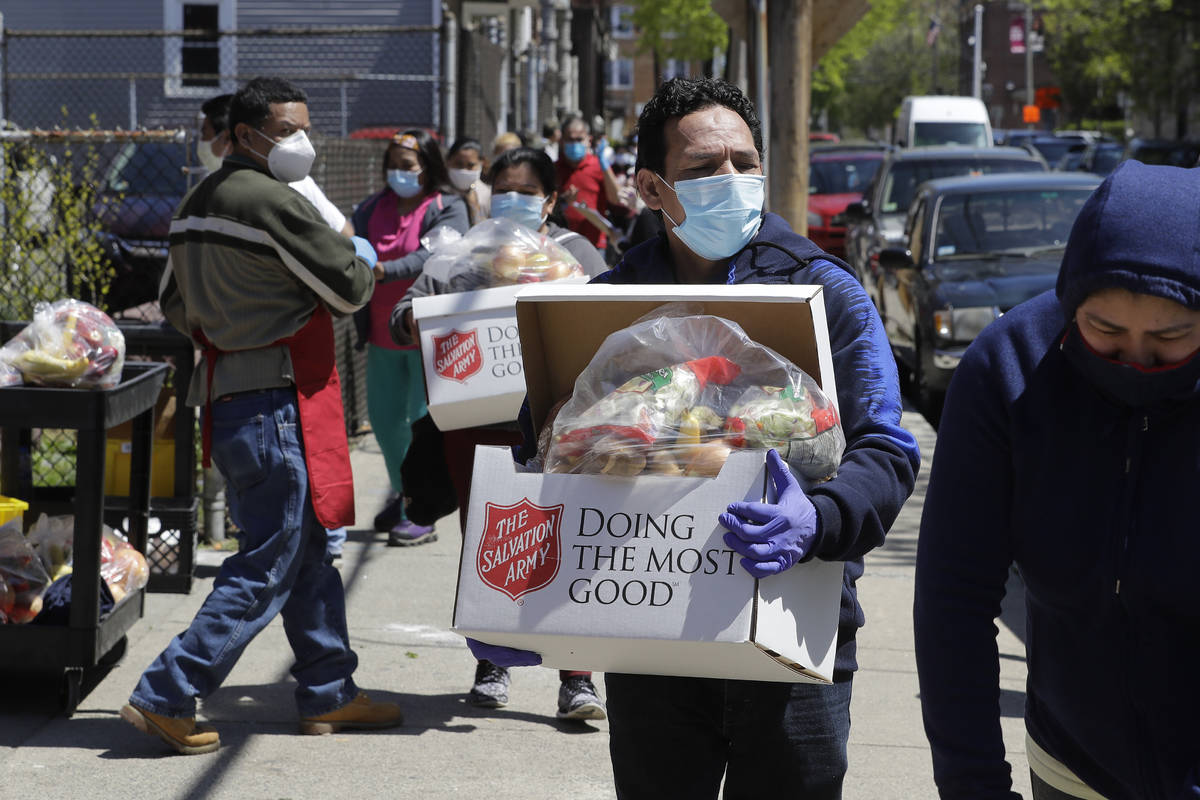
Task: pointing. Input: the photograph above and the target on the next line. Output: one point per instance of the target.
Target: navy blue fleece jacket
(1091, 498)
(878, 471)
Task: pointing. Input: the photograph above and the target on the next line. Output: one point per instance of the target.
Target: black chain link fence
(356, 77)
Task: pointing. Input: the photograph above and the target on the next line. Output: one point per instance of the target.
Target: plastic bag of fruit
(498, 252)
(52, 539)
(69, 343)
(122, 567)
(676, 391)
(22, 577)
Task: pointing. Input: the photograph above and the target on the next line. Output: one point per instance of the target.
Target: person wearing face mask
(465, 165)
(523, 182)
(254, 276)
(583, 180)
(415, 202)
(1067, 448)
(214, 144)
(699, 163)
(211, 148)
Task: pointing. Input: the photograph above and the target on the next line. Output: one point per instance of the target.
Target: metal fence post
(3, 71)
(345, 108)
(133, 118)
(449, 42)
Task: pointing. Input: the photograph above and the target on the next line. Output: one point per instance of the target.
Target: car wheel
(929, 400)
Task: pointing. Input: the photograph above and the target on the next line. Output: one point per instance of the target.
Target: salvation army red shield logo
(519, 551)
(456, 355)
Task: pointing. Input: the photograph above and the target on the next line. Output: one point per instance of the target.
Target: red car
(837, 177)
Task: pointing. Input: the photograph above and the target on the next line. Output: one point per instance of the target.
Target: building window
(620, 73)
(675, 69)
(203, 62)
(620, 22)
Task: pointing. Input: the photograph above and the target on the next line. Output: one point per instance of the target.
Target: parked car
(142, 186)
(977, 247)
(1098, 158)
(837, 176)
(1088, 137)
(1171, 152)
(877, 221)
(1053, 148)
(931, 120)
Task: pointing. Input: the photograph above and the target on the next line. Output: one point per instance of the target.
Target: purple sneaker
(392, 513)
(408, 533)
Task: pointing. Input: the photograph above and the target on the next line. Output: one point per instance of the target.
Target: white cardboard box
(632, 575)
(471, 356)
(548, 565)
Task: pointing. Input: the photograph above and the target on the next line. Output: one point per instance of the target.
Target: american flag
(931, 35)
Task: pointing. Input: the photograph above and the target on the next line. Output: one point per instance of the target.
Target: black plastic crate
(171, 539)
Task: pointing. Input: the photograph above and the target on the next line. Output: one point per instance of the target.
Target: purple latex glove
(772, 536)
(503, 656)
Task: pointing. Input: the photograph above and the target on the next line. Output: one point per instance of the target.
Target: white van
(942, 119)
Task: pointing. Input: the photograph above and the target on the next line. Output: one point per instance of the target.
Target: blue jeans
(280, 568)
(676, 737)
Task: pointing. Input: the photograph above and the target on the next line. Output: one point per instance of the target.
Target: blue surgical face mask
(722, 213)
(575, 151)
(404, 183)
(523, 209)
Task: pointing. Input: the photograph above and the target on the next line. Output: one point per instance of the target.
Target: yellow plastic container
(11, 508)
(117, 457)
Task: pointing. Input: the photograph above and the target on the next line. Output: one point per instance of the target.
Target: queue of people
(1064, 449)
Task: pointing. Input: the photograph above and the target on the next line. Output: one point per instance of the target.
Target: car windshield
(1106, 159)
(1017, 223)
(841, 176)
(148, 168)
(902, 180)
(1054, 149)
(972, 134)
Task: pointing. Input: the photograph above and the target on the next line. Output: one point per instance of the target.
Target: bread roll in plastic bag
(675, 392)
(498, 252)
(122, 567)
(69, 343)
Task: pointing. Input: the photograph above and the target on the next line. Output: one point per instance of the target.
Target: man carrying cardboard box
(700, 166)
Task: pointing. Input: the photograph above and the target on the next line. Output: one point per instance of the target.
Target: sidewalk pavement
(400, 604)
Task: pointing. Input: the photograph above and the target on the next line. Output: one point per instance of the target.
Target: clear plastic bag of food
(69, 343)
(122, 567)
(52, 538)
(499, 252)
(676, 391)
(23, 580)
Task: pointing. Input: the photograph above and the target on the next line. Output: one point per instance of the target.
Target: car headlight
(963, 324)
(814, 220)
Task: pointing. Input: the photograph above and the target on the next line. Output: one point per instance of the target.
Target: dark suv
(877, 221)
(142, 186)
(977, 246)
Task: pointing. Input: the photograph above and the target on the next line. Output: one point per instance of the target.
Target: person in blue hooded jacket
(700, 164)
(1068, 447)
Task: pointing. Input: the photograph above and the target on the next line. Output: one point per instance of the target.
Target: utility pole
(935, 26)
(790, 36)
(1028, 57)
(977, 58)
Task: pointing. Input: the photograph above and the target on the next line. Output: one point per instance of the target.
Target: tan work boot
(183, 734)
(361, 712)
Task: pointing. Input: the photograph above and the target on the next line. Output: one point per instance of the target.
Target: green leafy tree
(49, 248)
(684, 30)
(860, 82)
(1147, 50)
